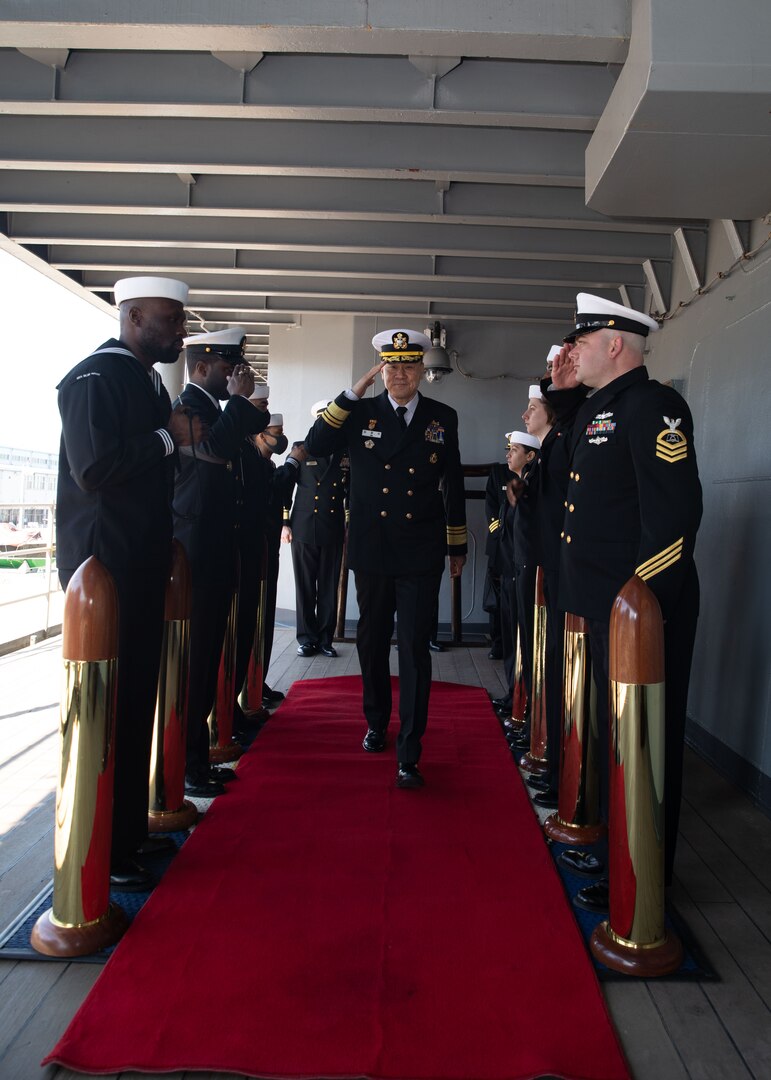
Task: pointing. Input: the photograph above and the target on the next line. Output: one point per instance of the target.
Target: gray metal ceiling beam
(343, 88)
(590, 30)
(302, 197)
(391, 237)
(299, 148)
(372, 267)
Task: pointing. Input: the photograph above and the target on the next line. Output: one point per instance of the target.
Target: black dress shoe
(374, 741)
(328, 650)
(221, 774)
(156, 845)
(547, 800)
(128, 876)
(495, 654)
(271, 697)
(203, 788)
(408, 776)
(537, 784)
(435, 646)
(307, 649)
(580, 862)
(593, 897)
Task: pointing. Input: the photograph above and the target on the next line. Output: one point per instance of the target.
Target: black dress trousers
(412, 599)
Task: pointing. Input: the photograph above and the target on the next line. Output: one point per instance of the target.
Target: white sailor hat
(261, 392)
(226, 343)
(319, 407)
(554, 352)
(140, 288)
(276, 419)
(534, 391)
(594, 313)
(522, 438)
(401, 346)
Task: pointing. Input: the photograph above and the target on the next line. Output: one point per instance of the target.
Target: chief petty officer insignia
(435, 432)
(671, 444)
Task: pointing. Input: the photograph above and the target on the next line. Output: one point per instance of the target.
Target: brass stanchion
(169, 809)
(634, 939)
(250, 698)
(222, 746)
(535, 759)
(577, 820)
(82, 919)
(342, 590)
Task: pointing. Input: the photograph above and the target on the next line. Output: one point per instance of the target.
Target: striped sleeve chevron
(661, 561)
(494, 525)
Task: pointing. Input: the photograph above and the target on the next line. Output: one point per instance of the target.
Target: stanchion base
(255, 714)
(646, 963)
(513, 726)
(534, 764)
(167, 821)
(219, 754)
(563, 832)
(53, 940)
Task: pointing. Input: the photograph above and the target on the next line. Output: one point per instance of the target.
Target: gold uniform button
(571, 508)
(410, 492)
(562, 536)
(384, 513)
(388, 466)
(316, 498)
(566, 503)
(568, 539)
(572, 475)
(408, 516)
(577, 477)
(411, 472)
(316, 510)
(334, 483)
(386, 491)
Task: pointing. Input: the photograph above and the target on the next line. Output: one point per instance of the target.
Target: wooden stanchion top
(636, 636)
(540, 595)
(576, 624)
(90, 622)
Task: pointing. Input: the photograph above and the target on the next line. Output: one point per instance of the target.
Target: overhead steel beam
(591, 30)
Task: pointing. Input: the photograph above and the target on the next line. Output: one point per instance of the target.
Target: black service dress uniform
(317, 521)
(406, 514)
(208, 494)
(114, 502)
(634, 506)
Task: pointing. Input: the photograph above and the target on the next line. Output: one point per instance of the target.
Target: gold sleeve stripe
(656, 563)
(456, 535)
(334, 415)
(494, 525)
(286, 514)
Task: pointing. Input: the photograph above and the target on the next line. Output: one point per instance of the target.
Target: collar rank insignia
(435, 432)
(671, 444)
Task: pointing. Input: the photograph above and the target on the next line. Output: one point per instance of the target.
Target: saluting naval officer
(208, 494)
(633, 506)
(407, 512)
(113, 501)
(315, 527)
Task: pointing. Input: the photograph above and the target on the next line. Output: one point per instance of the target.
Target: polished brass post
(634, 940)
(82, 919)
(577, 820)
(518, 693)
(535, 759)
(169, 810)
(222, 746)
(251, 692)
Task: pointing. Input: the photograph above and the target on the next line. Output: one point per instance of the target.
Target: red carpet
(321, 923)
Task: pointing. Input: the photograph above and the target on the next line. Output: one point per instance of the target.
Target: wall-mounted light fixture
(437, 360)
